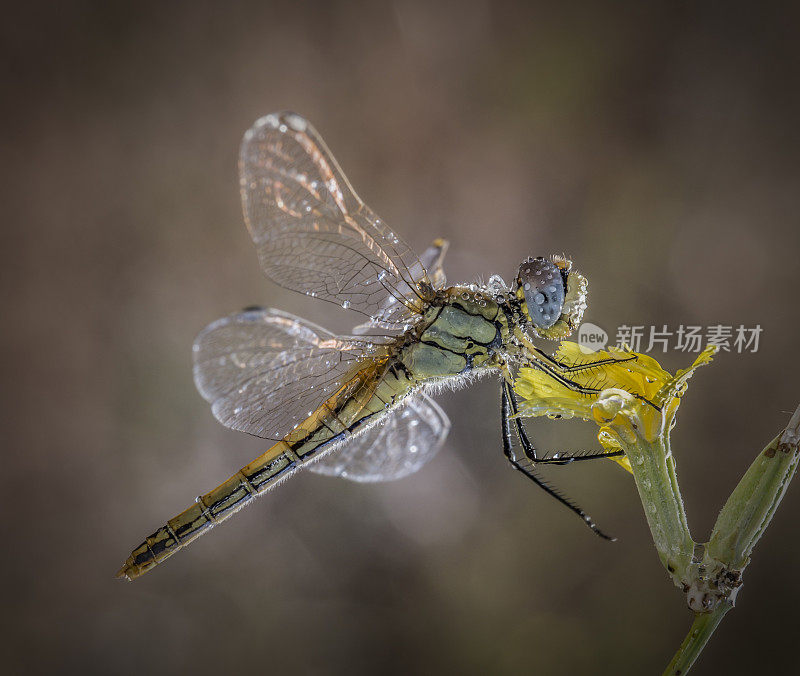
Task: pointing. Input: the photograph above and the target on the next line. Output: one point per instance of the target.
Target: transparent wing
(314, 234)
(264, 371)
(432, 259)
(400, 444)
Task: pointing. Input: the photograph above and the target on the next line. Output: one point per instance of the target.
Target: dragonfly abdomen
(360, 402)
(277, 463)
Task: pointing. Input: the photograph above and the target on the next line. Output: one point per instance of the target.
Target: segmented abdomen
(359, 402)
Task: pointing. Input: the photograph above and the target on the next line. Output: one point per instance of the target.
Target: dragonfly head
(552, 295)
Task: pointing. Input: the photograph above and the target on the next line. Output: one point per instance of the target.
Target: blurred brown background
(656, 145)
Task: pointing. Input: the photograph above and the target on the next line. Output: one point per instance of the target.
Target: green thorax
(460, 331)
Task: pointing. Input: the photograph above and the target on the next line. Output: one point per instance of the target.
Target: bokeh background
(655, 143)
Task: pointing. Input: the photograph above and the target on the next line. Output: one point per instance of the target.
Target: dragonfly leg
(530, 450)
(566, 367)
(562, 372)
(527, 465)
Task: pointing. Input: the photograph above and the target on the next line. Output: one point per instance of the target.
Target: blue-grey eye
(542, 286)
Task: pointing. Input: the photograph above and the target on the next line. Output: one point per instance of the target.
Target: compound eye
(542, 286)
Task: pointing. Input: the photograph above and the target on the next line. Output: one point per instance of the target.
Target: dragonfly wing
(400, 444)
(431, 259)
(264, 371)
(314, 234)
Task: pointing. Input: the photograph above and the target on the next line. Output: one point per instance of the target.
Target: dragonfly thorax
(460, 332)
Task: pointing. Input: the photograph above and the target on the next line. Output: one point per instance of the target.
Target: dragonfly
(359, 407)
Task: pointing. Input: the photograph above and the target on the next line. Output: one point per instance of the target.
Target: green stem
(710, 574)
(657, 483)
(751, 506)
(702, 628)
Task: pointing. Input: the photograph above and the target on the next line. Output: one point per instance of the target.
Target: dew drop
(346, 304)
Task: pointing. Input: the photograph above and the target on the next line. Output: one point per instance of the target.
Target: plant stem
(752, 504)
(710, 574)
(702, 628)
(654, 472)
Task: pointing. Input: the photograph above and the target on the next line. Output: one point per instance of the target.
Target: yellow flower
(644, 404)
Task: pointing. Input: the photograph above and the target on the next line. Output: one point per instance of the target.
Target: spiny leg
(566, 367)
(561, 371)
(530, 451)
(526, 465)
